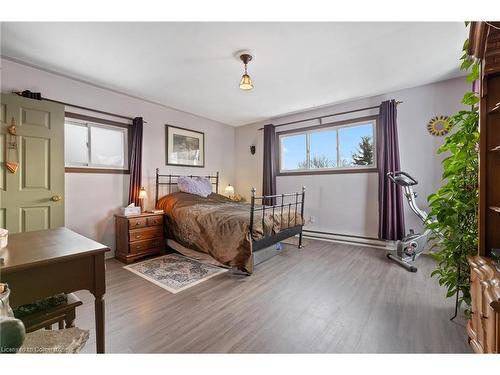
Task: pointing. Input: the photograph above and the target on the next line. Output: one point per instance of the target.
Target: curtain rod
(333, 114)
(82, 107)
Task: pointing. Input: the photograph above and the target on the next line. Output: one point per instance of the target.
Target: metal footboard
(273, 204)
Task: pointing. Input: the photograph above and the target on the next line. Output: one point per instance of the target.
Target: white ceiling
(191, 66)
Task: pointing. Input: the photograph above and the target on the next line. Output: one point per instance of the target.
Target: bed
(233, 234)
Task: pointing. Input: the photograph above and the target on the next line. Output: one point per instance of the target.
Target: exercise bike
(413, 244)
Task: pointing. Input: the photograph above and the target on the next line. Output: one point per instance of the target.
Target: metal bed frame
(293, 201)
(172, 181)
(297, 203)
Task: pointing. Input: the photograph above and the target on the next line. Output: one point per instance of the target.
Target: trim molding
(329, 171)
(348, 239)
(78, 116)
(95, 170)
(344, 235)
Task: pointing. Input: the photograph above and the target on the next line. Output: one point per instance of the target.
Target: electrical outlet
(312, 219)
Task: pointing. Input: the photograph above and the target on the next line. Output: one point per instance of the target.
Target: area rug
(174, 272)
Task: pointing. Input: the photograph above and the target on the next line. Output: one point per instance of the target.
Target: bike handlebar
(393, 176)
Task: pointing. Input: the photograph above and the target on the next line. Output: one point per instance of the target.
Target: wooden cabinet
(139, 236)
(485, 46)
(484, 326)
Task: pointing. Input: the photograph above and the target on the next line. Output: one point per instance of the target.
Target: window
(346, 146)
(95, 145)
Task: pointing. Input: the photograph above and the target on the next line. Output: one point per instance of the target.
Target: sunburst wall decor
(439, 126)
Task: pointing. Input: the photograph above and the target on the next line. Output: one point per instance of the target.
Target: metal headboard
(171, 180)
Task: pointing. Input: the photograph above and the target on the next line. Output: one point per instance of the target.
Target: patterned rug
(174, 272)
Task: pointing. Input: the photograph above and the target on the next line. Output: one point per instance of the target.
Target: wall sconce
(252, 149)
(142, 195)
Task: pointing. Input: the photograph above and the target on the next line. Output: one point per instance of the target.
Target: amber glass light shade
(246, 82)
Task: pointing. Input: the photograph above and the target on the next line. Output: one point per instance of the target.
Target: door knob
(55, 198)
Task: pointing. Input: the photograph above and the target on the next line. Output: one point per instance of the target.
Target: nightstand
(139, 236)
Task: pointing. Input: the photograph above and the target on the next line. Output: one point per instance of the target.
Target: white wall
(348, 203)
(92, 199)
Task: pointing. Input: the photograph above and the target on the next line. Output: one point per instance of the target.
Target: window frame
(334, 125)
(89, 121)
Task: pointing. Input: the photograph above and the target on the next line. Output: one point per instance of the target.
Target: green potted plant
(455, 203)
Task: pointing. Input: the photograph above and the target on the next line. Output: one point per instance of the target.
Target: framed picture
(184, 147)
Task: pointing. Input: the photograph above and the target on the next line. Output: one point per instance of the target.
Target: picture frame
(184, 147)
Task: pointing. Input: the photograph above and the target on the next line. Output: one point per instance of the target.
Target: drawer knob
(138, 236)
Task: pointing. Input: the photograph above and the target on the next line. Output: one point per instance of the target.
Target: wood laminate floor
(326, 297)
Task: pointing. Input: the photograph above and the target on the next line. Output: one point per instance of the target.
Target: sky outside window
(322, 145)
(324, 149)
(293, 150)
(349, 139)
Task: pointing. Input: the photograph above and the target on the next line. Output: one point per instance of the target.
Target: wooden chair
(63, 314)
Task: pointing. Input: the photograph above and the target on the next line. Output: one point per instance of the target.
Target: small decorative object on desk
(131, 210)
(12, 330)
(4, 236)
(5, 309)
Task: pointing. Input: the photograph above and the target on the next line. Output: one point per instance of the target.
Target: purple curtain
(269, 178)
(391, 225)
(136, 162)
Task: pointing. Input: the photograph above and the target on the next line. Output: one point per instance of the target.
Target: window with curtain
(341, 147)
(97, 146)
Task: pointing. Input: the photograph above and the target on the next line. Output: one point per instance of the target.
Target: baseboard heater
(347, 238)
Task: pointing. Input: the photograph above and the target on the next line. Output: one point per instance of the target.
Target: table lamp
(142, 196)
(229, 191)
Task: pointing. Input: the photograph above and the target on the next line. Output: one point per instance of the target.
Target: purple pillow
(205, 185)
(196, 186)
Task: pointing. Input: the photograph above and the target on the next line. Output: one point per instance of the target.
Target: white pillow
(205, 185)
(197, 186)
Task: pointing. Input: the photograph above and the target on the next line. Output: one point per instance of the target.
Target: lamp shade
(246, 82)
(142, 193)
(229, 190)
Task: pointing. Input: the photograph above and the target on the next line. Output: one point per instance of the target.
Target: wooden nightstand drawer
(154, 220)
(139, 236)
(145, 233)
(146, 245)
(137, 222)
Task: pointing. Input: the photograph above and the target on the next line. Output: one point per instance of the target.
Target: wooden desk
(43, 263)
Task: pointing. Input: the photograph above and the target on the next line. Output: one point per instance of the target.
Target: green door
(33, 197)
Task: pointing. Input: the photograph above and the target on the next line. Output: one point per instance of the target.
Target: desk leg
(99, 323)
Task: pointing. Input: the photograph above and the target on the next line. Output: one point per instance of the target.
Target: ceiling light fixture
(246, 81)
